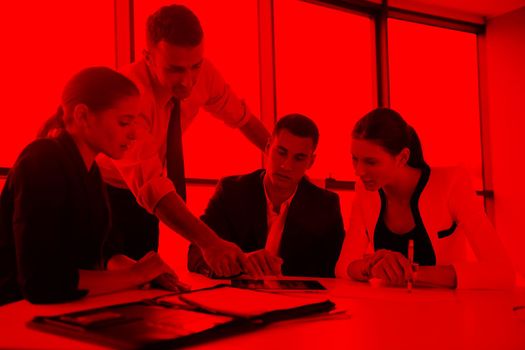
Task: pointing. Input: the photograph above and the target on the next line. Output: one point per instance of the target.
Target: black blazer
(54, 218)
(312, 235)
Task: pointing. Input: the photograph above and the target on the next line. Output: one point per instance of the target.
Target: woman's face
(373, 164)
(113, 130)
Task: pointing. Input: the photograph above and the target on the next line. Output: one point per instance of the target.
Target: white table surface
(375, 318)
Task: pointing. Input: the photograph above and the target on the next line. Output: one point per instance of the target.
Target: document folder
(181, 319)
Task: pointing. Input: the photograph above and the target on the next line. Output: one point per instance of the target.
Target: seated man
(277, 215)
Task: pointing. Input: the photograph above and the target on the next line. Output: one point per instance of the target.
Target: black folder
(180, 319)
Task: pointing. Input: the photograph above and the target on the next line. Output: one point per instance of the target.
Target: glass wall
(325, 69)
(434, 85)
(43, 44)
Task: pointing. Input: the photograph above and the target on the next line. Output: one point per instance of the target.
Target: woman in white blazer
(400, 198)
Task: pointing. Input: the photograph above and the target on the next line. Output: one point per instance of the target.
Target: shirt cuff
(153, 191)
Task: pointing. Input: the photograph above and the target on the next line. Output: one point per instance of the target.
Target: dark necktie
(174, 152)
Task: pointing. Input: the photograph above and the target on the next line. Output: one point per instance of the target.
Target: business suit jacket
(54, 218)
(313, 232)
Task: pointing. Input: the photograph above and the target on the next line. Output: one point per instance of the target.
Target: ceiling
(481, 8)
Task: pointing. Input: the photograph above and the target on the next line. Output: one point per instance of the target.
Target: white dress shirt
(276, 219)
(142, 169)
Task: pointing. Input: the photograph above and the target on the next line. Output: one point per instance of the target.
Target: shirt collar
(285, 205)
(162, 95)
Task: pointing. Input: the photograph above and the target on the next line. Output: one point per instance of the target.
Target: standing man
(175, 82)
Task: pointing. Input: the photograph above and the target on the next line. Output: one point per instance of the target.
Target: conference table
(366, 317)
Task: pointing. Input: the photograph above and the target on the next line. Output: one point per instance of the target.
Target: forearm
(359, 270)
(120, 261)
(255, 131)
(173, 212)
(101, 282)
(441, 276)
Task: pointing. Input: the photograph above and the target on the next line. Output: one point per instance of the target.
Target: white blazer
(447, 199)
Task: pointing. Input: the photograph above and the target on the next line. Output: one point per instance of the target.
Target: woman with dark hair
(54, 215)
(399, 199)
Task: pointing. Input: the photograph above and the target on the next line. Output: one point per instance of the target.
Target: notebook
(180, 319)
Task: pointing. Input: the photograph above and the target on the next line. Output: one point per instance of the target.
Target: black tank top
(384, 238)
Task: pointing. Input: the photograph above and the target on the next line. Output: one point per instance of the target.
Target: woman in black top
(54, 215)
(412, 223)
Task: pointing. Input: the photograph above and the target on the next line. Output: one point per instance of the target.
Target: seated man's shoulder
(241, 180)
(321, 195)
(239, 183)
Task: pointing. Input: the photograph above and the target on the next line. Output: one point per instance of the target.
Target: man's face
(176, 68)
(287, 159)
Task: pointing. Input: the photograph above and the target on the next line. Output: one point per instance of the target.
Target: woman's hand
(150, 267)
(391, 267)
(170, 282)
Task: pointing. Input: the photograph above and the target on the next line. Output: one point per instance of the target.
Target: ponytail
(53, 125)
(416, 159)
(388, 129)
(99, 88)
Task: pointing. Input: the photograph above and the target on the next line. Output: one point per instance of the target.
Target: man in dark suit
(286, 224)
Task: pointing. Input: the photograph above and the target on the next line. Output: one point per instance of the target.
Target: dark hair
(99, 88)
(298, 125)
(176, 25)
(388, 129)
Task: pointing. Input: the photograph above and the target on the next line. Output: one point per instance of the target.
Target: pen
(411, 262)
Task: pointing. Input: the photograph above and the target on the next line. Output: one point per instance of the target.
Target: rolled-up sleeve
(146, 181)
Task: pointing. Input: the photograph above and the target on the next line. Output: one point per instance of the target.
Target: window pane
(46, 42)
(434, 85)
(212, 149)
(325, 70)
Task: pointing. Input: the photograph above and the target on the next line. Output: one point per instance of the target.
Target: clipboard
(179, 319)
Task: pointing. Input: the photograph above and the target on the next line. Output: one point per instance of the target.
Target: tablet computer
(279, 284)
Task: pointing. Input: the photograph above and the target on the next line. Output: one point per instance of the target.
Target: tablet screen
(278, 284)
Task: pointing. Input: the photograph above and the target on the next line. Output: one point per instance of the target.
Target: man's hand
(227, 259)
(265, 263)
(170, 282)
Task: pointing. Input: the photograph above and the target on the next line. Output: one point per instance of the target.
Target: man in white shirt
(284, 222)
(175, 81)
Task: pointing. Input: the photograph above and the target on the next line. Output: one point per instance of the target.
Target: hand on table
(151, 268)
(227, 259)
(170, 282)
(265, 263)
(391, 267)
